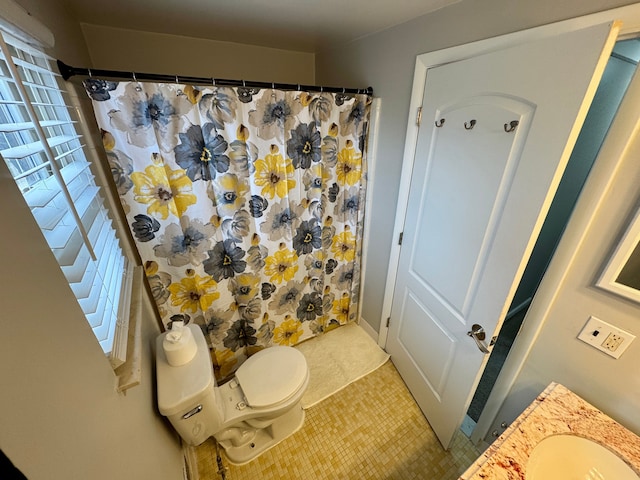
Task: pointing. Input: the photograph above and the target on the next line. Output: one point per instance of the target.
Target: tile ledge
(130, 372)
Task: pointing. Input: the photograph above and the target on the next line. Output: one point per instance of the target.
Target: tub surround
(557, 410)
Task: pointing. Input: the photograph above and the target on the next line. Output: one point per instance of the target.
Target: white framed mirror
(622, 273)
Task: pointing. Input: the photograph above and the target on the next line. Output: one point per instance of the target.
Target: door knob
(478, 334)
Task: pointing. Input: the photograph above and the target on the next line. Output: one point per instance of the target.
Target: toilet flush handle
(192, 412)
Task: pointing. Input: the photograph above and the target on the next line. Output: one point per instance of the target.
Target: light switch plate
(605, 337)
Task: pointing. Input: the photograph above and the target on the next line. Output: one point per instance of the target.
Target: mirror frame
(609, 278)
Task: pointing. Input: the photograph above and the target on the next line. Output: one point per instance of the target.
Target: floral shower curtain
(246, 206)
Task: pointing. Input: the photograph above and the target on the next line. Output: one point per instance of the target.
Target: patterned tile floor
(371, 429)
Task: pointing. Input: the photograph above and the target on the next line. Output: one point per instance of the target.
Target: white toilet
(252, 412)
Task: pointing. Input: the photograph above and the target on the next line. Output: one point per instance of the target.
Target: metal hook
(89, 71)
(243, 84)
(321, 89)
(177, 80)
(440, 122)
(133, 74)
(511, 127)
(298, 87)
(343, 91)
(470, 125)
(213, 81)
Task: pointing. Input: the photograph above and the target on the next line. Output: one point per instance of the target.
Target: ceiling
(302, 25)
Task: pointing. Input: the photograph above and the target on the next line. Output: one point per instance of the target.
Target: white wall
(131, 50)
(60, 415)
(386, 61)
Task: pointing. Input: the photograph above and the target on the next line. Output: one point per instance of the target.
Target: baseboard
(369, 329)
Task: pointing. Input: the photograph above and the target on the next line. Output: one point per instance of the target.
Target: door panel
(477, 201)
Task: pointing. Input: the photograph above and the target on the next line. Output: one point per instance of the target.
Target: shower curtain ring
(343, 91)
(213, 81)
(321, 89)
(177, 80)
(89, 72)
(243, 84)
(133, 74)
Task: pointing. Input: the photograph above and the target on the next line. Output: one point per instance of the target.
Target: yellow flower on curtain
(224, 363)
(343, 246)
(162, 189)
(281, 266)
(341, 308)
(349, 168)
(274, 174)
(288, 332)
(194, 292)
(228, 193)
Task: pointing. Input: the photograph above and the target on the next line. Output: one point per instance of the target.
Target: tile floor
(372, 429)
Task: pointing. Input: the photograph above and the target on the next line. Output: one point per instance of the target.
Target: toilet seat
(272, 376)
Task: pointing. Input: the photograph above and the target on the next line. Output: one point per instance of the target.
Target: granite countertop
(557, 410)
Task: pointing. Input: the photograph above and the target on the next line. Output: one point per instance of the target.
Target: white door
(497, 130)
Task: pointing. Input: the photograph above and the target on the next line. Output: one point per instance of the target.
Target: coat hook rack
(470, 125)
(440, 122)
(511, 126)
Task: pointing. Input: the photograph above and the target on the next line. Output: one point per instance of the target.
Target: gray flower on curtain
(241, 334)
(256, 255)
(187, 244)
(147, 119)
(287, 298)
(304, 145)
(238, 227)
(308, 237)
(330, 151)
(158, 283)
(219, 106)
(257, 205)
(314, 263)
(217, 323)
(352, 120)
(310, 307)
(201, 152)
(275, 113)
(243, 154)
(99, 89)
(245, 94)
(348, 203)
(266, 290)
(252, 310)
(121, 167)
(144, 227)
(282, 220)
(225, 260)
(320, 107)
(343, 277)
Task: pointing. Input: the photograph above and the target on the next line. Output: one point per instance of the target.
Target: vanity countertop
(556, 410)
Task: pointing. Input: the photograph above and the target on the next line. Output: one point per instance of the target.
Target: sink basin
(569, 457)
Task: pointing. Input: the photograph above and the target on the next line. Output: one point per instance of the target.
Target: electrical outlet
(605, 337)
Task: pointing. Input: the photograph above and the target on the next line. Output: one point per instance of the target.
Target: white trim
(372, 155)
(368, 329)
(18, 22)
(630, 16)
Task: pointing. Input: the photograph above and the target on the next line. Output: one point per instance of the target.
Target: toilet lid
(272, 376)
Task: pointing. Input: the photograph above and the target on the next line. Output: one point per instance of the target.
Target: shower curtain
(246, 206)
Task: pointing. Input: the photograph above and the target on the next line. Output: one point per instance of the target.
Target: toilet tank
(186, 394)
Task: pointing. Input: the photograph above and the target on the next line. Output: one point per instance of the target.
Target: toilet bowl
(256, 409)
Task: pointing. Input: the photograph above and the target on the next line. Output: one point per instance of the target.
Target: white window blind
(44, 152)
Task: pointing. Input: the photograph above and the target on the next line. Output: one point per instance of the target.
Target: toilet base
(265, 438)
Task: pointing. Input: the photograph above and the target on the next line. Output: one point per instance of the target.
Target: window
(44, 152)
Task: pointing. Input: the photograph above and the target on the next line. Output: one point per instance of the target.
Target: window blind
(45, 154)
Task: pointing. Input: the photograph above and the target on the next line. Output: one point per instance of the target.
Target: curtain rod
(67, 72)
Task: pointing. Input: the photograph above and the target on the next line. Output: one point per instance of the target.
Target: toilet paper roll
(179, 345)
